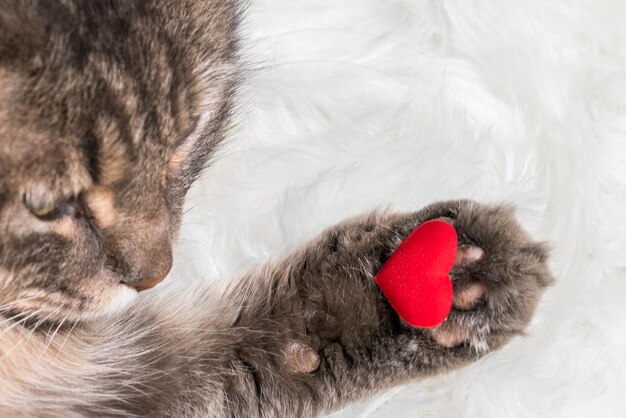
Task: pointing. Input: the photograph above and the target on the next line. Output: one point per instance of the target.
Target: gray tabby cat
(109, 110)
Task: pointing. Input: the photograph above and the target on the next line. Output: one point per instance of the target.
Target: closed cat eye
(42, 211)
(51, 212)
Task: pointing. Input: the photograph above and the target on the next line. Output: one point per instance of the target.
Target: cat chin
(42, 306)
(116, 301)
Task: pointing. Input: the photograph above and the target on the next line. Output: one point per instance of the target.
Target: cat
(109, 110)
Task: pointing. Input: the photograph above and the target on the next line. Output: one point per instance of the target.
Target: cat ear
(181, 155)
(190, 156)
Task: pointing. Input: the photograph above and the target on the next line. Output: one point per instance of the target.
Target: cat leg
(349, 342)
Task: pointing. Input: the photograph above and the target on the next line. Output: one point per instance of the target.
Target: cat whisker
(67, 336)
(13, 318)
(32, 331)
(50, 339)
(8, 306)
(13, 325)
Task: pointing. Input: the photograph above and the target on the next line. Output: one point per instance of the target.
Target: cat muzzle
(151, 278)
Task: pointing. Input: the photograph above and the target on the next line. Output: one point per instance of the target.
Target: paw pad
(450, 338)
(301, 358)
(468, 298)
(469, 254)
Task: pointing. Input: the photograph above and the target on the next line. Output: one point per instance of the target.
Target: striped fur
(109, 110)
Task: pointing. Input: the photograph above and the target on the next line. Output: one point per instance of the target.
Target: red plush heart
(415, 279)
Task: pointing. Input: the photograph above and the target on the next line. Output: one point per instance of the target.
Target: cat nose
(155, 275)
(149, 283)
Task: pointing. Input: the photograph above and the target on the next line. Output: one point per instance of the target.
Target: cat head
(108, 112)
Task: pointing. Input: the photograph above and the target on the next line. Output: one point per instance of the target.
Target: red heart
(415, 279)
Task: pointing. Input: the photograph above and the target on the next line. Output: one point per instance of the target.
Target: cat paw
(498, 277)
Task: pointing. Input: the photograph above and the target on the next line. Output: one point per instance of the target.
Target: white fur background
(355, 104)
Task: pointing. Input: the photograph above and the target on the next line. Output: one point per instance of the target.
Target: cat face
(107, 115)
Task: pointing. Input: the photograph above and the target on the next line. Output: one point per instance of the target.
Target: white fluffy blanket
(354, 104)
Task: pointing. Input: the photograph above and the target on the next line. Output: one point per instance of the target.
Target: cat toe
(469, 295)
